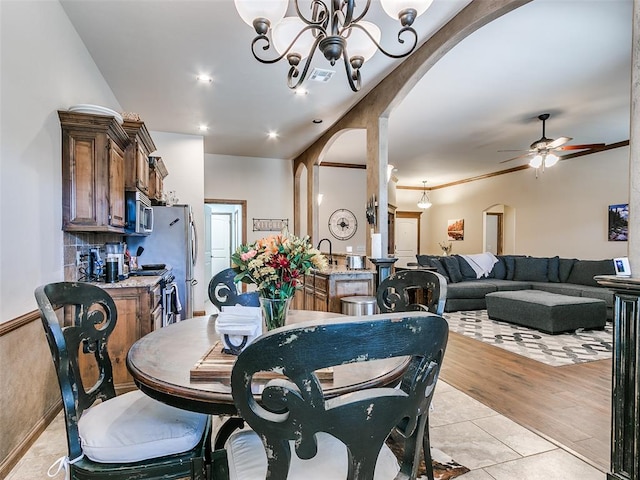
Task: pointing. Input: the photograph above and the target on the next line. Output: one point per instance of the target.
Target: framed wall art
(455, 229)
(270, 224)
(618, 222)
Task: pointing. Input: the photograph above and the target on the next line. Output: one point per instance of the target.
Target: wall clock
(343, 224)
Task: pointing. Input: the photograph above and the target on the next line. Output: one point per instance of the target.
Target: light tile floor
(491, 445)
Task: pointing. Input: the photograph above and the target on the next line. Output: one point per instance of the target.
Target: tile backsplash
(75, 243)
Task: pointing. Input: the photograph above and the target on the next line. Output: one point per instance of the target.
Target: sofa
(564, 276)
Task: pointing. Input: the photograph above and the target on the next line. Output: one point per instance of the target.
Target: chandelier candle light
(276, 265)
(331, 26)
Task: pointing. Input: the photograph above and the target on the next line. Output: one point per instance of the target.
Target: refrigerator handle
(194, 244)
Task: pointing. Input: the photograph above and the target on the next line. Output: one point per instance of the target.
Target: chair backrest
(293, 408)
(94, 318)
(223, 291)
(408, 290)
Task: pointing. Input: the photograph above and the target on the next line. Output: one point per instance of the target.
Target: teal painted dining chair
(297, 433)
(124, 437)
(408, 290)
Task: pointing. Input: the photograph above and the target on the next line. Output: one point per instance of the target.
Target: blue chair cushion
(133, 427)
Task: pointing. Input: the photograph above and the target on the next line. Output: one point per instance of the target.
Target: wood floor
(569, 405)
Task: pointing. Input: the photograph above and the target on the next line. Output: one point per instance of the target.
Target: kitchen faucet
(330, 249)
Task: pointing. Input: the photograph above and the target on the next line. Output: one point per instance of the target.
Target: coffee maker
(115, 251)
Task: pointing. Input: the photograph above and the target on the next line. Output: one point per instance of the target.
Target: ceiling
(570, 58)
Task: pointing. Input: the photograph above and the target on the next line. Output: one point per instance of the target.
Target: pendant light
(424, 202)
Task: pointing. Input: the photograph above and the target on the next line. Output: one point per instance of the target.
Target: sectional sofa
(565, 276)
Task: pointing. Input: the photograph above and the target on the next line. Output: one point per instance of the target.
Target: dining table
(162, 361)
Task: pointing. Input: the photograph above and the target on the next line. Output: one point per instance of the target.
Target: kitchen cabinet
(323, 290)
(92, 173)
(137, 156)
(157, 173)
(139, 309)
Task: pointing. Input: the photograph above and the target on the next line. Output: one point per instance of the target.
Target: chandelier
(331, 26)
(424, 202)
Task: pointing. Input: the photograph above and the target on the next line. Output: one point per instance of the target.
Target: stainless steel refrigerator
(174, 243)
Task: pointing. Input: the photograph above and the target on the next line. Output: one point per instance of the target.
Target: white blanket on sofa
(482, 263)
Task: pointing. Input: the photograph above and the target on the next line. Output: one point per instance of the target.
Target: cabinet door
(142, 170)
(116, 186)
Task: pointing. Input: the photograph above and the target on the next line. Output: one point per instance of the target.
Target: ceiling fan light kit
(332, 26)
(542, 149)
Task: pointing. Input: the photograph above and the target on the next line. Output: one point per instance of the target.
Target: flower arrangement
(276, 264)
(446, 249)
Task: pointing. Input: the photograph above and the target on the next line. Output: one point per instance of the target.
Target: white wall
(183, 156)
(564, 212)
(265, 183)
(343, 188)
(44, 67)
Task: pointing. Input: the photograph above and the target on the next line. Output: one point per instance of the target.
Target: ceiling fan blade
(516, 158)
(586, 146)
(558, 142)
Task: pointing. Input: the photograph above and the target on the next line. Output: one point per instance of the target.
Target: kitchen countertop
(342, 270)
(131, 282)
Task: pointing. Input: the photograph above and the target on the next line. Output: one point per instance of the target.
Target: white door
(406, 240)
(220, 242)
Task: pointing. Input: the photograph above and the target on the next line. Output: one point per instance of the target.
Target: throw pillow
(564, 268)
(434, 262)
(424, 259)
(510, 264)
(453, 268)
(531, 269)
(554, 269)
(583, 271)
(499, 270)
(468, 273)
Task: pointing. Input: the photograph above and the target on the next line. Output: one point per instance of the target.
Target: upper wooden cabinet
(137, 156)
(93, 173)
(157, 172)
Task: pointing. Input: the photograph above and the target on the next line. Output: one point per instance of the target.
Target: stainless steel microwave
(139, 214)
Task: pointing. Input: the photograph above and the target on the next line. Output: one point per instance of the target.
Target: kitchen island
(324, 288)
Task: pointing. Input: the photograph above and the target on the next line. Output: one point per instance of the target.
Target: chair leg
(426, 450)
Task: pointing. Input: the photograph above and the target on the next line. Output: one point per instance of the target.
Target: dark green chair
(224, 292)
(409, 290)
(341, 437)
(113, 437)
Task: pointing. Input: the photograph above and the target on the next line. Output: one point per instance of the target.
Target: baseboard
(23, 447)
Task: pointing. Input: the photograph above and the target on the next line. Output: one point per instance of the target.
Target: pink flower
(247, 255)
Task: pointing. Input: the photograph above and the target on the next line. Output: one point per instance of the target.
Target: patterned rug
(555, 350)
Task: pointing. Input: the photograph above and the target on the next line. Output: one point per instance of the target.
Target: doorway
(407, 237)
(493, 236)
(225, 229)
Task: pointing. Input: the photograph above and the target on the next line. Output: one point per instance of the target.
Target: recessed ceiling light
(317, 120)
(203, 128)
(301, 91)
(272, 134)
(204, 79)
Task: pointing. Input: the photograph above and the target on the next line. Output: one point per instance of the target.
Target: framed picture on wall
(455, 229)
(618, 222)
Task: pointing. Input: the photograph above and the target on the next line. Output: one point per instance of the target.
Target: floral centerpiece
(276, 265)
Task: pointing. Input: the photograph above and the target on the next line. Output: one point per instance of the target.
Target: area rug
(555, 350)
(444, 467)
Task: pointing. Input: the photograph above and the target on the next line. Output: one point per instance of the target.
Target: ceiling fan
(542, 150)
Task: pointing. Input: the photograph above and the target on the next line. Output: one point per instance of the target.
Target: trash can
(358, 305)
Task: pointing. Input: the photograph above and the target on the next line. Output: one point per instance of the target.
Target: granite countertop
(342, 270)
(131, 282)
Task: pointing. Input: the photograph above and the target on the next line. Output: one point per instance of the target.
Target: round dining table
(161, 363)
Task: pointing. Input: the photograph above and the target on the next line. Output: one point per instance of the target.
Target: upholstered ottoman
(547, 312)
